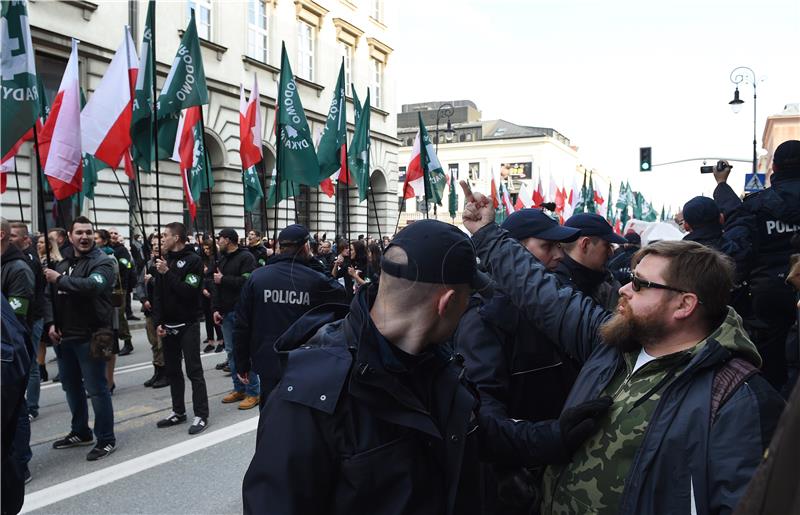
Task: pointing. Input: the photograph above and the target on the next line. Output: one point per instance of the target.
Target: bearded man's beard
(628, 332)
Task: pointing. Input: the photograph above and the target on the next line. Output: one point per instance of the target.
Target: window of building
(306, 44)
(474, 171)
(202, 16)
(377, 83)
(377, 10)
(401, 176)
(257, 30)
(347, 54)
(452, 170)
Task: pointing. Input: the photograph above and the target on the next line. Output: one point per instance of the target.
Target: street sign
(754, 182)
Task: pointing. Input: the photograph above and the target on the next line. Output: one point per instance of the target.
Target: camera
(720, 166)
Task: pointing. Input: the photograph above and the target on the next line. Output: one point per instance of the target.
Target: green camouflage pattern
(593, 482)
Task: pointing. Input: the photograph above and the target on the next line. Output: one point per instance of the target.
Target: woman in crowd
(209, 267)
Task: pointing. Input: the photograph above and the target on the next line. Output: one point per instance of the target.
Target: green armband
(192, 280)
(19, 305)
(246, 275)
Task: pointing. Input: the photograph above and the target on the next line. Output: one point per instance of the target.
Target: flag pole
(266, 199)
(94, 212)
(276, 178)
(19, 190)
(347, 192)
(208, 173)
(121, 189)
(377, 220)
(137, 183)
(40, 190)
(400, 211)
(155, 126)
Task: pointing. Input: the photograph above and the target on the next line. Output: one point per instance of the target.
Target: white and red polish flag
(250, 127)
(496, 196)
(60, 140)
(524, 197)
(414, 185)
(106, 118)
(538, 194)
(507, 200)
(188, 153)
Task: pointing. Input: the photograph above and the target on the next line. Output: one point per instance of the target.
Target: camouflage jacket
(684, 463)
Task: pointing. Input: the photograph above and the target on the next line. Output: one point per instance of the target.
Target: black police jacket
(236, 268)
(342, 435)
(601, 286)
(259, 253)
(83, 299)
(176, 293)
(273, 298)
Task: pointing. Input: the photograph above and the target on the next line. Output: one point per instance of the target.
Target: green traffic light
(645, 166)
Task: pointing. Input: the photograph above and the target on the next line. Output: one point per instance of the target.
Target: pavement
(152, 471)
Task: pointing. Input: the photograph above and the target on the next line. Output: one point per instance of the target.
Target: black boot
(152, 380)
(161, 378)
(126, 349)
(42, 373)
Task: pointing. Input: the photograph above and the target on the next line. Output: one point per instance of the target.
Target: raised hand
(478, 210)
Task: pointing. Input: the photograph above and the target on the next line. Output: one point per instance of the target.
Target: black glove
(579, 422)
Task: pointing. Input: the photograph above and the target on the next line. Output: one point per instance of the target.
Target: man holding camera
(176, 311)
(80, 323)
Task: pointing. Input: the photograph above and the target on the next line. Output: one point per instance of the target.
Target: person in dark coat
(272, 299)
(620, 264)
(764, 224)
(691, 415)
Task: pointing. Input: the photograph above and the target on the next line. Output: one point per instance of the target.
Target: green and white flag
(358, 152)
(184, 87)
(437, 180)
(452, 198)
(142, 150)
(252, 189)
(356, 104)
(297, 159)
(20, 99)
(589, 204)
(287, 189)
(334, 135)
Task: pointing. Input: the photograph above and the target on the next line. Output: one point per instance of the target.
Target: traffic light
(645, 159)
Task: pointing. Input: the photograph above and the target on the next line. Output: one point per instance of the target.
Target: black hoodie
(176, 293)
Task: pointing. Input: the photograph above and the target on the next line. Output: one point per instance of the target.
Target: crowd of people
(531, 367)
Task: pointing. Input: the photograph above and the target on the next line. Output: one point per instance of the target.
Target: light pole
(738, 76)
(445, 111)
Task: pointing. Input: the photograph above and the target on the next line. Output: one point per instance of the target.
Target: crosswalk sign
(754, 182)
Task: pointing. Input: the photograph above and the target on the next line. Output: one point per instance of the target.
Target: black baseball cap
(787, 156)
(295, 233)
(533, 223)
(229, 234)
(701, 211)
(437, 253)
(592, 224)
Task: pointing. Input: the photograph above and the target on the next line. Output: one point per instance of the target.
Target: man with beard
(691, 416)
(257, 249)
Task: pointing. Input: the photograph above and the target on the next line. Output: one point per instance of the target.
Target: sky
(612, 76)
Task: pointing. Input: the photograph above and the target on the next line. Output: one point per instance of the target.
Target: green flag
(252, 189)
(334, 135)
(142, 150)
(452, 198)
(358, 153)
(184, 87)
(649, 214)
(20, 99)
(286, 190)
(610, 206)
(356, 103)
(663, 214)
(580, 202)
(638, 205)
(436, 178)
(590, 205)
(297, 159)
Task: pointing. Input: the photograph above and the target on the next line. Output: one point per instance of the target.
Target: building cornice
(346, 32)
(310, 12)
(88, 8)
(216, 47)
(379, 50)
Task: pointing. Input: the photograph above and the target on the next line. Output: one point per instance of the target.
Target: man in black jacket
(260, 253)
(83, 308)
(176, 311)
(128, 279)
(584, 263)
(232, 273)
(762, 225)
(273, 298)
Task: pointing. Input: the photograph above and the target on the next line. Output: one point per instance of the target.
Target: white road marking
(126, 369)
(65, 490)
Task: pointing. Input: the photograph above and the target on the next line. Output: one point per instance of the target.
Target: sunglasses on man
(638, 283)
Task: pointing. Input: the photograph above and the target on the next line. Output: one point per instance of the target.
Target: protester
(82, 329)
(128, 278)
(763, 225)
(272, 299)
(584, 263)
(325, 255)
(209, 259)
(691, 414)
(257, 249)
(341, 265)
(176, 312)
(102, 240)
(234, 269)
(147, 296)
(47, 262)
(620, 264)
(58, 236)
(519, 373)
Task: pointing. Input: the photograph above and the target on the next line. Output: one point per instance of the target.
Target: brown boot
(249, 402)
(233, 397)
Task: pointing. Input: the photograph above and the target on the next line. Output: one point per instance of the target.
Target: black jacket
(273, 298)
(684, 457)
(83, 300)
(343, 434)
(127, 270)
(601, 286)
(18, 283)
(176, 293)
(236, 268)
(38, 274)
(259, 253)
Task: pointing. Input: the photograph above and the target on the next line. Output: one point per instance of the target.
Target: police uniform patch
(181, 263)
(192, 280)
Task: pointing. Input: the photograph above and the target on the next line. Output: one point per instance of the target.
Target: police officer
(83, 285)
(584, 263)
(176, 311)
(257, 248)
(233, 270)
(766, 221)
(273, 298)
(373, 414)
(127, 274)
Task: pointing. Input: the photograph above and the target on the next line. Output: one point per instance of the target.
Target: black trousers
(211, 327)
(187, 344)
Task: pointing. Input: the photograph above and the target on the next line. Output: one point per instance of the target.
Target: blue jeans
(81, 374)
(254, 388)
(34, 381)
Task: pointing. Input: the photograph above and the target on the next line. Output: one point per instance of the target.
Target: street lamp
(738, 76)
